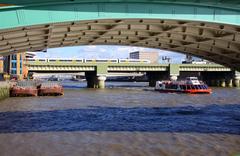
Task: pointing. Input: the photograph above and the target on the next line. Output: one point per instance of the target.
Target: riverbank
(4, 90)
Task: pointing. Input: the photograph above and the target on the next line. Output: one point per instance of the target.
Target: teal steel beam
(233, 4)
(28, 14)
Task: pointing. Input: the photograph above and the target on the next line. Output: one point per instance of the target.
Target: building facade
(14, 65)
(1, 64)
(151, 56)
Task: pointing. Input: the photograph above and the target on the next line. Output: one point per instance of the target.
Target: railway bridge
(96, 73)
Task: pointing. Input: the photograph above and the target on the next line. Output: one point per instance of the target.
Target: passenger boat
(50, 89)
(191, 85)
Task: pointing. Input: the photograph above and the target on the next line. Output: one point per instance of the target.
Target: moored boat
(191, 85)
(24, 88)
(50, 89)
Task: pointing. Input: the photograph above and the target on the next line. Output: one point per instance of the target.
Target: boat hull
(15, 91)
(50, 91)
(200, 91)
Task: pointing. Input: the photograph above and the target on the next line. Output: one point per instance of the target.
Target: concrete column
(229, 82)
(222, 83)
(173, 77)
(218, 82)
(237, 82)
(237, 79)
(101, 81)
(91, 79)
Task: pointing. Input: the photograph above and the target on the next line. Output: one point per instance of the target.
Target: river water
(125, 119)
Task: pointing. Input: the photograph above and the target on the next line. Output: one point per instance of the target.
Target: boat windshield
(194, 87)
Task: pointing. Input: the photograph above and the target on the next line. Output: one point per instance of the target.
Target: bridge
(207, 29)
(96, 73)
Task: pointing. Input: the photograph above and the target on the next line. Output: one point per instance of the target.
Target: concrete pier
(94, 81)
(236, 79)
(229, 83)
(91, 79)
(4, 90)
(222, 83)
(101, 82)
(237, 82)
(173, 77)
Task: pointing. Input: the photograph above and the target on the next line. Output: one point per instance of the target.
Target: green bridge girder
(104, 68)
(208, 29)
(28, 13)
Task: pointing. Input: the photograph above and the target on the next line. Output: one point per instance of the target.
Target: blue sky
(108, 52)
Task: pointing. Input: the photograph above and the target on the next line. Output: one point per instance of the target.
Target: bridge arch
(209, 30)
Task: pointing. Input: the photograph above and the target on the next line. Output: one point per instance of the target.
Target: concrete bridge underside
(210, 30)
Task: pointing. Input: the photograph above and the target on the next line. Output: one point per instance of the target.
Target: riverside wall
(4, 90)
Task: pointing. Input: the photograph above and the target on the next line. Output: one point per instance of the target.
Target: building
(151, 56)
(1, 64)
(14, 65)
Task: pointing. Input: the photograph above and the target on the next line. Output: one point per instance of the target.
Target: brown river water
(125, 119)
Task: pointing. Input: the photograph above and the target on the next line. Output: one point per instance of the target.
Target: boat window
(189, 87)
(167, 86)
(174, 86)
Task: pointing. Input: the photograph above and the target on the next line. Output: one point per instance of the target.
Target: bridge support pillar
(173, 77)
(94, 81)
(91, 79)
(101, 81)
(222, 83)
(237, 79)
(156, 76)
(237, 82)
(218, 82)
(229, 83)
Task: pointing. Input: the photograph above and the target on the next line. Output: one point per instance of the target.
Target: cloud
(104, 51)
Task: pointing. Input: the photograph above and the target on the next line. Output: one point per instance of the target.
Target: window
(14, 57)
(13, 71)
(65, 60)
(14, 65)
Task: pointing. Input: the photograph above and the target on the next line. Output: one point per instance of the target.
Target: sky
(104, 52)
